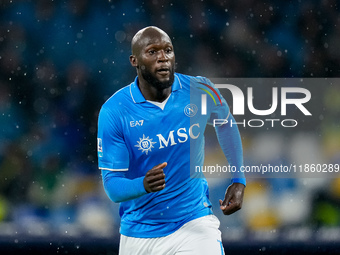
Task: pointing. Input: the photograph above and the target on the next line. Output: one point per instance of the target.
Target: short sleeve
(113, 154)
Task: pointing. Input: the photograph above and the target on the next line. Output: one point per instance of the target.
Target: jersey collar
(137, 95)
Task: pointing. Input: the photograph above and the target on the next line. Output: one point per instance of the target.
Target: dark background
(60, 61)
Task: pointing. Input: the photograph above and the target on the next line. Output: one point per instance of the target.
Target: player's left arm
(230, 141)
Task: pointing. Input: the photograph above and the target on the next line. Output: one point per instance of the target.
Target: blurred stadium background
(60, 60)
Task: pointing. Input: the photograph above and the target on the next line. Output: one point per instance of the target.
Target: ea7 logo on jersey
(145, 144)
(136, 123)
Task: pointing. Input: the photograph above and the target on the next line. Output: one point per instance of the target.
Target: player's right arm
(119, 188)
(113, 160)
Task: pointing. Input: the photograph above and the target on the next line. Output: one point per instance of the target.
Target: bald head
(154, 59)
(146, 36)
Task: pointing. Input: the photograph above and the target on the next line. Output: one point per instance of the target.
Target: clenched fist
(154, 179)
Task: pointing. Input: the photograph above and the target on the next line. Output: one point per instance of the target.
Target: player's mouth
(163, 71)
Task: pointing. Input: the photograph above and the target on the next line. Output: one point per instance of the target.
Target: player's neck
(152, 93)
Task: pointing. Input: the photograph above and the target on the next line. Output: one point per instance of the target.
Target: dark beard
(154, 82)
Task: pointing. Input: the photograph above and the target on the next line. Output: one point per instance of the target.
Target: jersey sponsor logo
(190, 110)
(100, 147)
(136, 123)
(145, 144)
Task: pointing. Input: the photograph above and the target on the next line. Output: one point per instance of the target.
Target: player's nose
(162, 56)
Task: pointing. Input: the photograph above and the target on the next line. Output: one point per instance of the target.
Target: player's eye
(151, 52)
(168, 50)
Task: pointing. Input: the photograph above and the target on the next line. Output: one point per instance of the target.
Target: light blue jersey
(134, 135)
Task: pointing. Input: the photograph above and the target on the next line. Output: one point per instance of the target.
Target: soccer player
(150, 138)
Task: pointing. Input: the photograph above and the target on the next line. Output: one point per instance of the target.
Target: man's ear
(133, 61)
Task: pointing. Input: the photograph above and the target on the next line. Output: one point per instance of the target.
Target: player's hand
(233, 199)
(154, 179)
